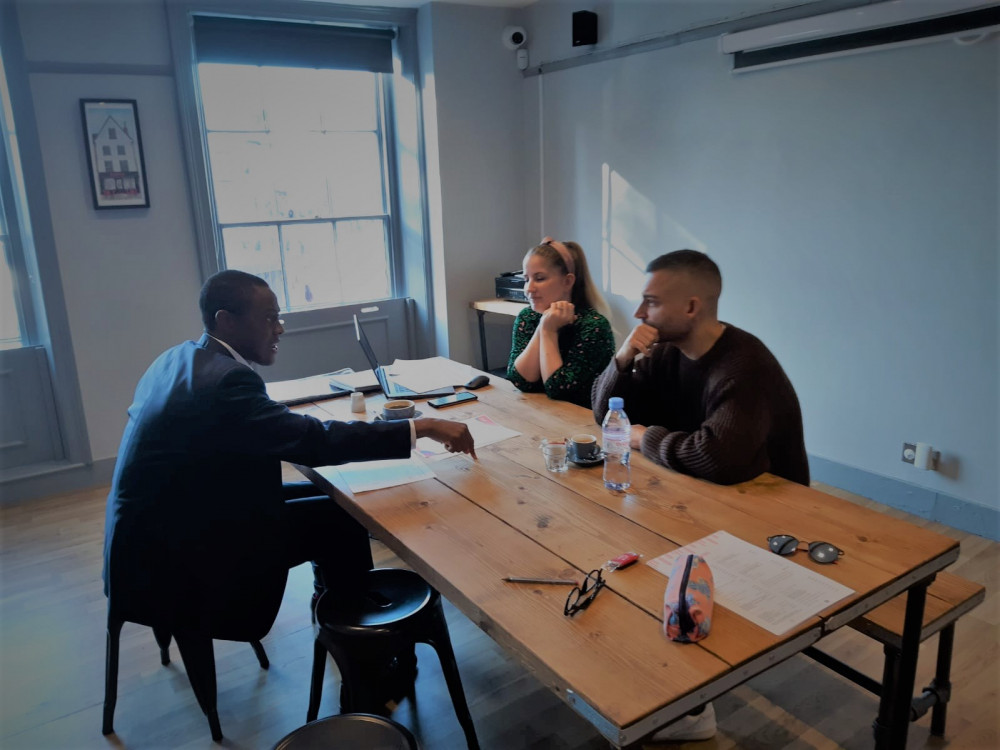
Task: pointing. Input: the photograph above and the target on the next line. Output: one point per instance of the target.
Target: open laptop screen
(389, 388)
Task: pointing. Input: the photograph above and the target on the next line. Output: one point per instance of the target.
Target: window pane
(353, 162)
(230, 97)
(255, 250)
(300, 177)
(289, 96)
(10, 325)
(241, 176)
(363, 260)
(314, 279)
(347, 100)
(291, 151)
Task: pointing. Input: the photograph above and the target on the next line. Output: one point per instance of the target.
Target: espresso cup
(584, 447)
(400, 409)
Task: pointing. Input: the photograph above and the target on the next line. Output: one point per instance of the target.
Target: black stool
(199, 662)
(364, 633)
(349, 732)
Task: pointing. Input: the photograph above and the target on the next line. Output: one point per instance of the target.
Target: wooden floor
(52, 614)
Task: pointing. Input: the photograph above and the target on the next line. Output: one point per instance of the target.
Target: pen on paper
(517, 579)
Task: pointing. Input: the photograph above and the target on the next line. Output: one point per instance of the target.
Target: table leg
(893, 721)
(482, 338)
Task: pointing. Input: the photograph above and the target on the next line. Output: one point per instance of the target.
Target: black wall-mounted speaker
(584, 28)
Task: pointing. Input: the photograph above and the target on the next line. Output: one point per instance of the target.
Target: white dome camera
(514, 37)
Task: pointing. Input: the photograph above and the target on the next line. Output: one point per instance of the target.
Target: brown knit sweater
(726, 417)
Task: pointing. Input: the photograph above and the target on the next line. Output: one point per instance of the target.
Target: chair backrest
(350, 732)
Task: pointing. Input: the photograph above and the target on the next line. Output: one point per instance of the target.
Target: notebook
(390, 388)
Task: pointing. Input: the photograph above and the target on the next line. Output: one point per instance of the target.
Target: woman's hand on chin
(557, 315)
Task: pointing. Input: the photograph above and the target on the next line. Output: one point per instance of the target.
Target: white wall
(851, 204)
(472, 117)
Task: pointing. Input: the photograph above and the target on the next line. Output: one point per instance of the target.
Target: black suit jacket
(195, 529)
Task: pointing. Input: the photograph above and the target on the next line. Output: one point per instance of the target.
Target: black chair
(349, 732)
(363, 634)
(199, 662)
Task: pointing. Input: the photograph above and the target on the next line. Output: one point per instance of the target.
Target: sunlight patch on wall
(633, 232)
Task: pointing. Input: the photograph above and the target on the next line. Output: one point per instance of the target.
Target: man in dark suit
(200, 532)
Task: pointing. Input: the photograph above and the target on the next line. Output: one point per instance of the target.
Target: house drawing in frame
(114, 153)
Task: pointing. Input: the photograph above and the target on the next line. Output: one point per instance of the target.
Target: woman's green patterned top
(586, 346)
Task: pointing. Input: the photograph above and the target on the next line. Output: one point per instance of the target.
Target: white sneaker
(689, 728)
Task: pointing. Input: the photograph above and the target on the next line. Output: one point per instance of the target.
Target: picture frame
(115, 161)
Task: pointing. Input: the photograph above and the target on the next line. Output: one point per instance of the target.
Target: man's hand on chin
(635, 438)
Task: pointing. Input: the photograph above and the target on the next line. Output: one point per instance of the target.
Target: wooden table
(498, 306)
(506, 515)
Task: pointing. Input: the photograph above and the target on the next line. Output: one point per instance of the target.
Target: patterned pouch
(687, 601)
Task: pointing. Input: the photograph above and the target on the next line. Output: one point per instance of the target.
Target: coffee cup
(584, 447)
(399, 409)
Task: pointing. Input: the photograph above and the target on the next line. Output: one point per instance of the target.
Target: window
(108, 166)
(124, 165)
(121, 150)
(297, 147)
(106, 150)
(12, 333)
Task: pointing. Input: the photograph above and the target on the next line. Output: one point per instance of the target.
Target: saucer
(598, 459)
(380, 418)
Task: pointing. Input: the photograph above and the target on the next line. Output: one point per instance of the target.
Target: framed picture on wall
(114, 153)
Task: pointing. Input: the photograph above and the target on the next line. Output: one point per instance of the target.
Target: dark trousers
(322, 532)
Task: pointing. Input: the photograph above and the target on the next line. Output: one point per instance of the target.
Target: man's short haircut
(693, 262)
(226, 290)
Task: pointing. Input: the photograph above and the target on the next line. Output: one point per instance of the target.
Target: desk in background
(506, 515)
(498, 306)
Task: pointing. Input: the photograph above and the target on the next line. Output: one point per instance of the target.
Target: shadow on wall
(632, 234)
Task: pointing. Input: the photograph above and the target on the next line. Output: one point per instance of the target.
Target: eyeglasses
(580, 597)
(821, 552)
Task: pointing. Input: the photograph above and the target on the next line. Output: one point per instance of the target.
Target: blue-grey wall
(852, 205)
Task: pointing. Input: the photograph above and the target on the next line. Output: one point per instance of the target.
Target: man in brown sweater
(704, 397)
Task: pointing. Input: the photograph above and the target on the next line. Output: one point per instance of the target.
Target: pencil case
(688, 600)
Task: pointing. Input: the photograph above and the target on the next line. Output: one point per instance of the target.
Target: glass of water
(554, 450)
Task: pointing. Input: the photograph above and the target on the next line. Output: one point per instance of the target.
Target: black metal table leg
(482, 338)
(893, 721)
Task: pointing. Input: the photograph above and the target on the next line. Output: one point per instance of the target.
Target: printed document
(759, 585)
(363, 476)
(484, 432)
(431, 374)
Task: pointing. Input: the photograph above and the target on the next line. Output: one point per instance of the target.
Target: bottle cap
(616, 402)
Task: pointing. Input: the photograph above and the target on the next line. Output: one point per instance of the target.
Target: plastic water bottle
(615, 433)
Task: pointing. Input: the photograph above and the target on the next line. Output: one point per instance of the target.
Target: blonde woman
(562, 341)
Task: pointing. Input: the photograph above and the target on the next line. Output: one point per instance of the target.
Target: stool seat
(349, 732)
(368, 632)
(391, 596)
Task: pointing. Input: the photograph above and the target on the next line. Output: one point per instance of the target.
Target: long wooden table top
(504, 514)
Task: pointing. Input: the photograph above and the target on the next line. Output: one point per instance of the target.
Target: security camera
(514, 37)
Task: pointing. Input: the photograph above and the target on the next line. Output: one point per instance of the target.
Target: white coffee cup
(399, 409)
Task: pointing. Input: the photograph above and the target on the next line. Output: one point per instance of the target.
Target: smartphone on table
(457, 398)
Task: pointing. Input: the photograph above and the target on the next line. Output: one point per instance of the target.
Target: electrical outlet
(909, 453)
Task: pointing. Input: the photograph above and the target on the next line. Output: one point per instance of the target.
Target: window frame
(403, 250)
(386, 135)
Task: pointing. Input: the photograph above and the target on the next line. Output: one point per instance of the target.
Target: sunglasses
(580, 597)
(821, 552)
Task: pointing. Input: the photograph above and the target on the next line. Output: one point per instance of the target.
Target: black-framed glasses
(821, 552)
(581, 596)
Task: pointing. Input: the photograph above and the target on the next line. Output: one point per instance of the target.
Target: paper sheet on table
(759, 585)
(363, 476)
(484, 432)
(422, 375)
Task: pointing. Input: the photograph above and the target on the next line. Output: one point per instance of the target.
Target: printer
(510, 285)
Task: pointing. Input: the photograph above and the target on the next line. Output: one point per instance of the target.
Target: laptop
(389, 387)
